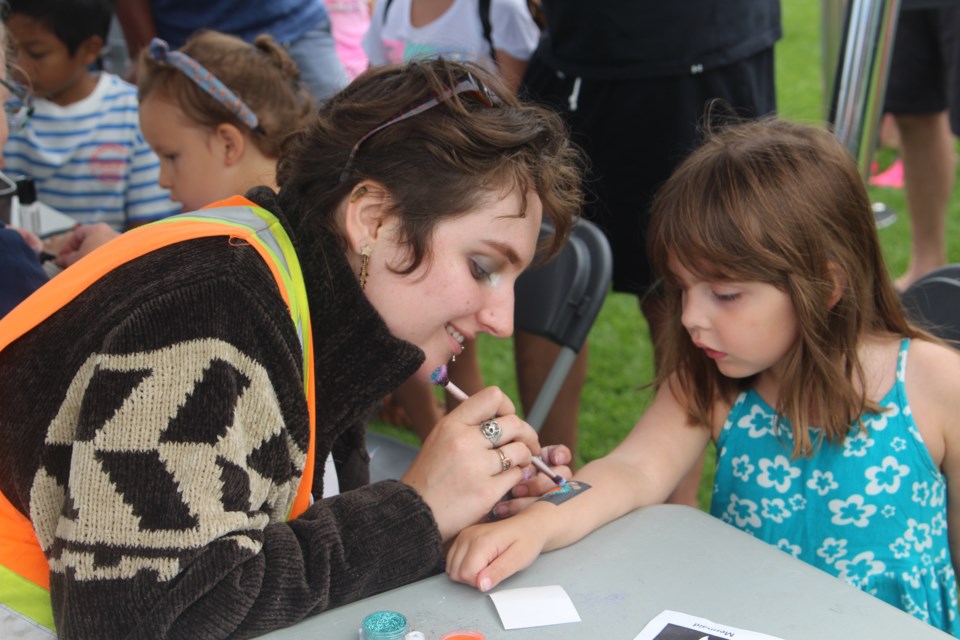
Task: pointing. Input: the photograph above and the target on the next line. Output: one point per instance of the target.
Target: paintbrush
(440, 378)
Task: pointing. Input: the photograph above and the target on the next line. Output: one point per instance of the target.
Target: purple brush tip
(439, 376)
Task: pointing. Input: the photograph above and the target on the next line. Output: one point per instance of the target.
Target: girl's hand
(557, 456)
(486, 554)
(459, 472)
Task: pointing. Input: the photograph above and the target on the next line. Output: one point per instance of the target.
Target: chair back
(561, 299)
(933, 302)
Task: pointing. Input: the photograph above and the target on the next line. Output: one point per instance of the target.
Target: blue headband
(203, 78)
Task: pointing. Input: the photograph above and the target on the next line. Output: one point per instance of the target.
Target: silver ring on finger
(505, 462)
(491, 431)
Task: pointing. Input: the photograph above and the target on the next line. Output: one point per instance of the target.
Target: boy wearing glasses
(82, 145)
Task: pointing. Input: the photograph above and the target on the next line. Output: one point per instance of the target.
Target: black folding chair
(933, 302)
(561, 300)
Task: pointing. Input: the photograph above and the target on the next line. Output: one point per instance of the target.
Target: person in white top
(454, 29)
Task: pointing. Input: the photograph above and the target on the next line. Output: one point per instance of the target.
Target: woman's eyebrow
(505, 249)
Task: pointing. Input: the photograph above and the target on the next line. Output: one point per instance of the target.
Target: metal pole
(861, 76)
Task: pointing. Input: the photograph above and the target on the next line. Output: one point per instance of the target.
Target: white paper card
(534, 607)
(672, 625)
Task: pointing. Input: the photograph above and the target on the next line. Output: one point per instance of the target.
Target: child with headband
(835, 419)
(83, 145)
(216, 112)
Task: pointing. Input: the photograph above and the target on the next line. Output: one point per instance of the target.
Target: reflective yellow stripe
(25, 597)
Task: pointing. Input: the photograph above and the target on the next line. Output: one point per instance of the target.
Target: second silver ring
(491, 431)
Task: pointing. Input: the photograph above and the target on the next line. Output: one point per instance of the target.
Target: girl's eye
(170, 156)
(726, 297)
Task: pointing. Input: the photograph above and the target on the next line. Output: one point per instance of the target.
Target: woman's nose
(496, 317)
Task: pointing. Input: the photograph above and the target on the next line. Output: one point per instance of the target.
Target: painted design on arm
(559, 495)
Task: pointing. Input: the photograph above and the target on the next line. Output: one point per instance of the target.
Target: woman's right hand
(460, 473)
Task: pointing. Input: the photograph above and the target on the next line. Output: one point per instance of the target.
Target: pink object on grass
(892, 177)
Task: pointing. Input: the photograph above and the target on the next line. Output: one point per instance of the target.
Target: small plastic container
(463, 634)
(384, 625)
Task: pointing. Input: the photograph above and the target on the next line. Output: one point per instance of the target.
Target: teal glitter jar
(384, 625)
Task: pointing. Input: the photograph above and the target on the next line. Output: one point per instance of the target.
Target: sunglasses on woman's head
(467, 83)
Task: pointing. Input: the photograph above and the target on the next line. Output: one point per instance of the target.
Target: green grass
(620, 353)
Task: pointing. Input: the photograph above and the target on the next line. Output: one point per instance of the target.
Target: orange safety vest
(24, 572)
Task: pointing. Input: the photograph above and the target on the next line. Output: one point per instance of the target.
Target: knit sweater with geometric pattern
(154, 431)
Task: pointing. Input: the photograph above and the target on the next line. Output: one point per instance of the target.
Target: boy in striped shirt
(83, 144)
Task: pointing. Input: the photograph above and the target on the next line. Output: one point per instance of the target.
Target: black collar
(357, 360)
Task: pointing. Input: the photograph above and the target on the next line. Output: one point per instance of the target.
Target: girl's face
(464, 287)
(191, 166)
(745, 327)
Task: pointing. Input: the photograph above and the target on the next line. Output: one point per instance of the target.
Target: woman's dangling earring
(364, 262)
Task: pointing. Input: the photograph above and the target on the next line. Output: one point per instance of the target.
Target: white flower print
(777, 473)
(937, 494)
(913, 576)
(758, 422)
(832, 549)
(775, 509)
(888, 511)
(898, 444)
(793, 549)
(878, 421)
(743, 512)
(851, 511)
(858, 569)
(938, 524)
(798, 502)
(919, 534)
(822, 482)
(921, 492)
(900, 548)
(742, 468)
(911, 607)
(886, 477)
(856, 446)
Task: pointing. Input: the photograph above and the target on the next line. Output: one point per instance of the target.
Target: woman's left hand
(460, 472)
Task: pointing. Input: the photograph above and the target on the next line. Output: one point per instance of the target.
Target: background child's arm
(642, 470)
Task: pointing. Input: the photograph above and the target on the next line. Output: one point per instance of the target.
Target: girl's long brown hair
(781, 203)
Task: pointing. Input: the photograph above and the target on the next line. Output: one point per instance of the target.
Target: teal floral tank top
(870, 510)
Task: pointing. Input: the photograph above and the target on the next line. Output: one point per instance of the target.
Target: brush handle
(455, 391)
(540, 464)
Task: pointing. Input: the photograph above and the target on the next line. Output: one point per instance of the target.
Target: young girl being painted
(835, 419)
(216, 113)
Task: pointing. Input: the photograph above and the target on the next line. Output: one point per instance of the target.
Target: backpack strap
(484, 6)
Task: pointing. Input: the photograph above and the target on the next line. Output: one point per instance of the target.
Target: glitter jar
(384, 625)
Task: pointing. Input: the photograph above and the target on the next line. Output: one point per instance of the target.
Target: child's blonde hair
(261, 74)
(781, 203)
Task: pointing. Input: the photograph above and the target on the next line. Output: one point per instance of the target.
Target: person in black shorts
(634, 80)
(923, 95)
